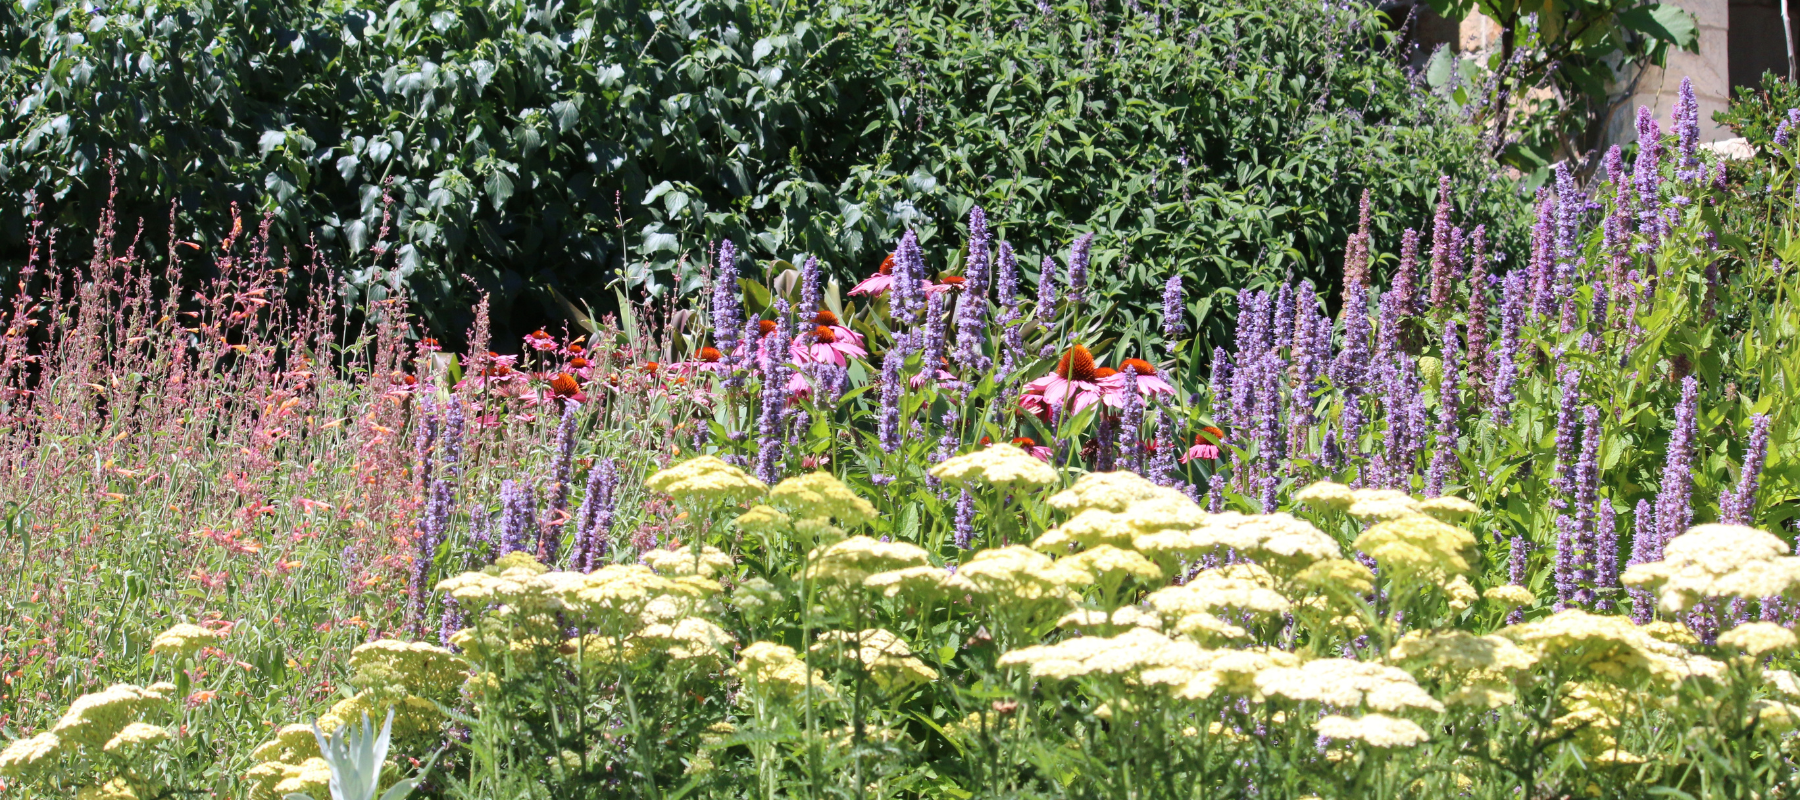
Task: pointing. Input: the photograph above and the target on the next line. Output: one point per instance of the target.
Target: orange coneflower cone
(711, 355)
(824, 334)
(952, 280)
(765, 327)
(1143, 367)
(825, 318)
(1105, 372)
(564, 385)
(887, 265)
(1077, 365)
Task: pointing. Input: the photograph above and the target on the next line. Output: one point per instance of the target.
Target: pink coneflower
(708, 359)
(1206, 445)
(945, 283)
(877, 284)
(540, 341)
(1149, 384)
(1075, 382)
(831, 343)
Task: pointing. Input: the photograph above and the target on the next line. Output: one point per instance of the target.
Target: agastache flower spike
(1543, 257)
(1586, 485)
(1163, 469)
(1078, 268)
(1646, 548)
(1443, 456)
(727, 309)
(1006, 284)
(1353, 355)
(518, 517)
(965, 520)
(1648, 180)
(1674, 513)
(1283, 325)
(1517, 562)
(1174, 321)
(1481, 370)
(594, 521)
(433, 525)
(936, 322)
(1131, 422)
(812, 289)
(1046, 297)
(1442, 247)
(1566, 441)
(1606, 553)
(909, 276)
(1404, 286)
(775, 394)
(1506, 356)
(1569, 204)
(1738, 505)
(550, 535)
(972, 307)
(891, 386)
(1687, 133)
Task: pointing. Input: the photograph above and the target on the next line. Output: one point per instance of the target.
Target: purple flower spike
(1078, 268)
(594, 520)
(1046, 298)
(1566, 441)
(1648, 180)
(1007, 285)
(1513, 305)
(1606, 554)
(518, 517)
(775, 371)
(1480, 371)
(1404, 286)
(1738, 506)
(1543, 257)
(1174, 321)
(812, 289)
(972, 307)
(550, 536)
(1131, 422)
(965, 520)
(909, 280)
(936, 322)
(891, 388)
(1443, 456)
(727, 308)
(1674, 511)
(1646, 548)
(1443, 247)
(1687, 133)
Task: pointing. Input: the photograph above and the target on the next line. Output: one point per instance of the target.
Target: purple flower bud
(1738, 506)
(1506, 356)
(908, 290)
(1784, 131)
(1543, 257)
(456, 427)
(891, 392)
(1215, 493)
(972, 307)
(1648, 179)
(449, 623)
(1606, 553)
(434, 523)
(1517, 566)
(1282, 327)
(1163, 467)
(1566, 441)
(936, 322)
(1404, 286)
(1131, 422)
(727, 309)
(1480, 373)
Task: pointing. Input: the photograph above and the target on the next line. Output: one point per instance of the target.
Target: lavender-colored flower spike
(594, 521)
(1163, 468)
(1566, 441)
(727, 308)
(1543, 257)
(1646, 548)
(1648, 180)
(1506, 355)
(1219, 385)
(433, 525)
(449, 622)
(1616, 232)
(812, 288)
(1569, 204)
(1568, 538)
(909, 280)
(1517, 564)
(1131, 422)
(456, 427)
(1738, 506)
(1174, 322)
(1007, 284)
(1046, 297)
(891, 385)
(1606, 553)
(972, 308)
(936, 322)
(1784, 132)
(1674, 510)
(1282, 328)
(425, 439)
(1078, 268)
(1586, 492)
(770, 435)
(1687, 133)
(550, 535)
(1480, 371)
(965, 520)
(518, 517)
(1442, 248)
(1404, 286)
(1352, 362)
(1443, 456)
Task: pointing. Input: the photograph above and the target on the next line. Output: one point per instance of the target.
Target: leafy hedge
(546, 150)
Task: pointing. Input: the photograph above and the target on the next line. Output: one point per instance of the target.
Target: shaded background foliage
(546, 151)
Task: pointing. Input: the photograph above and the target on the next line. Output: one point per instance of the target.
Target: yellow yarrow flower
(1344, 683)
(133, 737)
(819, 495)
(921, 581)
(1717, 561)
(1756, 639)
(1107, 491)
(1461, 651)
(309, 777)
(764, 520)
(1510, 595)
(1106, 562)
(709, 480)
(28, 755)
(1607, 646)
(1326, 496)
(1339, 576)
(1380, 505)
(292, 744)
(1017, 574)
(709, 562)
(889, 661)
(777, 670)
(853, 560)
(184, 640)
(115, 789)
(95, 718)
(415, 666)
(1128, 653)
(1215, 589)
(1419, 548)
(1003, 466)
(1449, 509)
(1374, 730)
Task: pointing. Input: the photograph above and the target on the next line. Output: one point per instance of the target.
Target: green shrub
(546, 151)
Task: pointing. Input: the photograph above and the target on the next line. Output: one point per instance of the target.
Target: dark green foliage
(545, 151)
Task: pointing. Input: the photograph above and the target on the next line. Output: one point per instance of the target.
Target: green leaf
(1664, 23)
